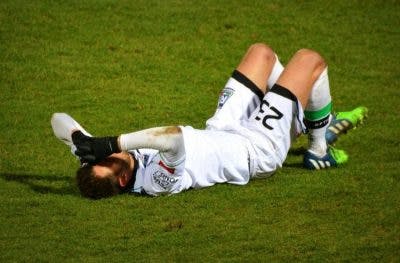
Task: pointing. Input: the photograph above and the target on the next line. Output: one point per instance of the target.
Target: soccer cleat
(343, 122)
(332, 158)
(63, 125)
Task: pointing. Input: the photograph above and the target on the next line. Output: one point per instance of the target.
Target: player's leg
(282, 107)
(262, 67)
(306, 76)
(245, 89)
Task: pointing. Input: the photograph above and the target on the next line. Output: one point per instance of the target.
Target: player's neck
(132, 163)
(133, 166)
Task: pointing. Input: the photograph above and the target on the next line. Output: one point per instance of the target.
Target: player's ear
(123, 180)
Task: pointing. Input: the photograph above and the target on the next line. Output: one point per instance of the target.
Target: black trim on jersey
(316, 124)
(284, 92)
(248, 83)
(131, 183)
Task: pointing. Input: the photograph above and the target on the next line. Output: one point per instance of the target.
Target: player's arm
(168, 140)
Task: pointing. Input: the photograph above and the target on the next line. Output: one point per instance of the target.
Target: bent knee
(263, 51)
(312, 57)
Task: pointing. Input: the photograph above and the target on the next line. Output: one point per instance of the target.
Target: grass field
(117, 66)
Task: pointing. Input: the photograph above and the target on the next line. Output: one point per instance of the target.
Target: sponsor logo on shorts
(225, 94)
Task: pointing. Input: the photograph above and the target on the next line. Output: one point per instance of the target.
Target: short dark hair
(94, 187)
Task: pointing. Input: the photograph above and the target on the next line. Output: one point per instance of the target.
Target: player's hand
(94, 149)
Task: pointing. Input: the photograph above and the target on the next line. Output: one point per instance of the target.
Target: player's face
(117, 165)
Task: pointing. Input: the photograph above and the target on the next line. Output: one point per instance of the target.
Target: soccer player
(259, 114)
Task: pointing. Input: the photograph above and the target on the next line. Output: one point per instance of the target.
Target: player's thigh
(257, 64)
(301, 72)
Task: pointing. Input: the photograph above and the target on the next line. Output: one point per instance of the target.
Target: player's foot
(332, 158)
(63, 125)
(343, 122)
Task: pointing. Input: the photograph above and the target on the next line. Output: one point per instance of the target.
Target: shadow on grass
(293, 165)
(44, 184)
(295, 152)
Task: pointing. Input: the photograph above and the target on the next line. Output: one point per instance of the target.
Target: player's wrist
(119, 143)
(114, 144)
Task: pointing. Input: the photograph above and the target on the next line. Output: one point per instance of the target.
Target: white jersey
(210, 157)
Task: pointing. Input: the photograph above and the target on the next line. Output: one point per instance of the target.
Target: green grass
(117, 66)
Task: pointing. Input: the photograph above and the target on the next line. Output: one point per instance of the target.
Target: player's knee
(263, 51)
(313, 59)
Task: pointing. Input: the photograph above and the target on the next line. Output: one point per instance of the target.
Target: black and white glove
(94, 149)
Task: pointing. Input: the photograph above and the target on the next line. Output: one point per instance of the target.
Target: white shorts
(269, 122)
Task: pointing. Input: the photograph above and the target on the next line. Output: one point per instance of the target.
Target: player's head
(106, 178)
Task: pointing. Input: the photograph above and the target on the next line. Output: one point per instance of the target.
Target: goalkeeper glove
(94, 149)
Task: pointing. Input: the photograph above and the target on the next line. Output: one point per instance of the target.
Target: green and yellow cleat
(333, 158)
(344, 121)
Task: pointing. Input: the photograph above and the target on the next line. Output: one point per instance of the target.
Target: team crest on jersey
(225, 94)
